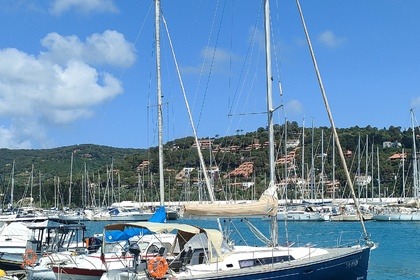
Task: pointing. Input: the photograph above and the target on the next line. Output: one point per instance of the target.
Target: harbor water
(397, 256)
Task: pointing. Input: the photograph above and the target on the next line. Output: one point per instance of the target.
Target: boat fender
(157, 267)
(29, 257)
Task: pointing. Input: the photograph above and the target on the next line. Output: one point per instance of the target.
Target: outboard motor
(134, 249)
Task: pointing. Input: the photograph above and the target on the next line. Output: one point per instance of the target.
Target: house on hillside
(293, 143)
(143, 165)
(389, 144)
(398, 156)
(245, 170)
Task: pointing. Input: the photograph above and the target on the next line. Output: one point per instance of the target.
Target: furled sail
(267, 205)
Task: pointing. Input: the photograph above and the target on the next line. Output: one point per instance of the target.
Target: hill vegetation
(100, 175)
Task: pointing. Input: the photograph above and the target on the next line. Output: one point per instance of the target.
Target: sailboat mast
(32, 183)
(333, 167)
(322, 165)
(372, 185)
(403, 173)
(71, 177)
(333, 127)
(40, 190)
(269, 85)
(159, 101)
(366, 168)
(379, 174)
(303, 158)
(415, 166)
(13, 185)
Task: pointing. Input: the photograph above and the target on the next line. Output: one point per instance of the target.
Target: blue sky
(83, 71)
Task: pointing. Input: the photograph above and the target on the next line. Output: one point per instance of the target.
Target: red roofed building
(398, 156)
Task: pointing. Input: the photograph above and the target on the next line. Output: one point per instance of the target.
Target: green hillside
(101, 175)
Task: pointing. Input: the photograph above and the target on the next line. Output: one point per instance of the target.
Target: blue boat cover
(129, 231)
(114, 212)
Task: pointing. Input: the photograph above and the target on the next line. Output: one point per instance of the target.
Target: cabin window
(153, 250)
(264, 261)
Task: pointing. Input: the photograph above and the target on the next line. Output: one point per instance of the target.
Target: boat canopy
(138, 228)
(124, 231)
(186, 235)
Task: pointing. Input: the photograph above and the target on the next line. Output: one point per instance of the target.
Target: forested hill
(42, 170)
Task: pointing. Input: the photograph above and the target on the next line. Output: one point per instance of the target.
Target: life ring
(157, 267)
(29, 257)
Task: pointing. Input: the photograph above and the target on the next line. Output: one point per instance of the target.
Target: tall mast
(269, 85)
(333, 167)
(312, 183)
(371, 170)
(13, 184)
(403, 173)
(358, 167)
(333, 127)
(303, 158)
(366, 168)
(40, 190)
(159, 98)
(71, 177)
(55, 193)
(322, 165)
(379, 174)
(415, 167)
(200, 155)
(32, 183)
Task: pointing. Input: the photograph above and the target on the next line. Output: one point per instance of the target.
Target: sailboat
(207, 253)
(407, 211)
(89, 262)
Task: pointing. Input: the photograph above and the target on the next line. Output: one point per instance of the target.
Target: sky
(84, 71)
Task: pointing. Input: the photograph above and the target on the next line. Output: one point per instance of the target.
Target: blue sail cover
(129, 231)
(159, 216)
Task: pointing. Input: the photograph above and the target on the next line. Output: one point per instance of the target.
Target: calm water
(396, 258)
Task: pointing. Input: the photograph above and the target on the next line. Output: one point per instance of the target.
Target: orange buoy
(157, 267)
(29, 257)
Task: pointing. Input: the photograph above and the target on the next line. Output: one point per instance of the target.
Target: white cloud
(215, 58)
(21, 135)
(217, 54)
(59, 7)
(293, 107)
(329, 39)
(415, 103)
(59, 86)
(109, 47)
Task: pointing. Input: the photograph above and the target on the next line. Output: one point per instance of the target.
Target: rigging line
(244, 73)
(231, 49)
(203, 165)
(277, 59)
(149, 106)
(205, 56)
(254, 78)
(212, 59)
(337, 140)
(242, 76)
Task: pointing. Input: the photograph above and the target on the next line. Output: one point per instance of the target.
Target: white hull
(40, 273)
(398, 217)
(134, 217)
(302, 216)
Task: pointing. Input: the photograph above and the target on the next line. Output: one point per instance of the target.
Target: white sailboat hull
(397, 217)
